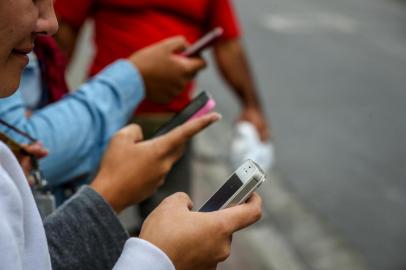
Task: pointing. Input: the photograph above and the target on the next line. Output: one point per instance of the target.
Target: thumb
(36, 150)
(192, 65)
(241, 216)
(175, 44)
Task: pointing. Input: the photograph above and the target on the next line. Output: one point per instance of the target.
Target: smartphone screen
(184, 115)
(223, 194)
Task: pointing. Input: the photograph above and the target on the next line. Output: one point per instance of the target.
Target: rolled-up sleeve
(77, 129)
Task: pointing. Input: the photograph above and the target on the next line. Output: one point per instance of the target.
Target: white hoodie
(23, 244)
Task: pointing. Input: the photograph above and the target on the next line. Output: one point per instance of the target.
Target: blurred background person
(77, 127)
(123, 26)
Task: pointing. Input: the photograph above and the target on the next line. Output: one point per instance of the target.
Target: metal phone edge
(231, 202)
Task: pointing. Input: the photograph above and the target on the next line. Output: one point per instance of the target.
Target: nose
(47, 22)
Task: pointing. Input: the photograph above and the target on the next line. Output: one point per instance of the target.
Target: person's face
(20, 22)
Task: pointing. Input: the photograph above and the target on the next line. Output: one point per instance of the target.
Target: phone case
(206, 41)
(210, 105)
(198, 106)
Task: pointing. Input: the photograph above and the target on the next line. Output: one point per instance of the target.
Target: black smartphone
(199, 106)
(206, 41)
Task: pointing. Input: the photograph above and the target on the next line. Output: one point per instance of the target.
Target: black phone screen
(184, 115)
(223, 194)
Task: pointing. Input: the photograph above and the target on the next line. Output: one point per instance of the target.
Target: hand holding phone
(194, 240)
(165, 76)
(125, 160)
(199, 106)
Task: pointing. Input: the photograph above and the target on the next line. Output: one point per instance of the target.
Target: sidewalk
(289, 237)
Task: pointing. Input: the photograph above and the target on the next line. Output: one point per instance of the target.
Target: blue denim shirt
(31, 84)
(77, 129)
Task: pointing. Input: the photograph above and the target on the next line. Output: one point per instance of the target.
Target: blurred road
(333, 78)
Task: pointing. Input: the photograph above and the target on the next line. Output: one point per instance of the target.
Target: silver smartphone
(237, 189)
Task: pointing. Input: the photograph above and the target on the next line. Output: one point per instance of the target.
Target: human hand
(257, 118)
(132, 170)
(164, 71)
(35, 150)
(194, 240)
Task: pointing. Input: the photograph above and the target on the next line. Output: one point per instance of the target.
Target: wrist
(250, 102)
(138, 65)
(251, 107)
(107, 193)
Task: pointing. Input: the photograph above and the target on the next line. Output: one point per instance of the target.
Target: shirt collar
(33, 61)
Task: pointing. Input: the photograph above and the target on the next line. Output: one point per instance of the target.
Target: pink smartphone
(206, 41)
(210, 105)
(198, 107)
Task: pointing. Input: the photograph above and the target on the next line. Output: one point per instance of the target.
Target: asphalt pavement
(332, 76)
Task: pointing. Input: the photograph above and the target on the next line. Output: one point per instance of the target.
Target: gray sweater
(84, 234)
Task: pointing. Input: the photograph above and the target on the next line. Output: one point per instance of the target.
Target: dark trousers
(179, 179)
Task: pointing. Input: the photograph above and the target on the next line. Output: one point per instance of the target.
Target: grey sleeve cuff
(84, 233)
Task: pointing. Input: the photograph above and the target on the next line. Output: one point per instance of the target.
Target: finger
(186, 131)
(263, 131)
(132, 132)
(175, 44)
(180, 199)
(26, 164)
(192, 65)
(265, 135)
(241, 216)
(36, 149)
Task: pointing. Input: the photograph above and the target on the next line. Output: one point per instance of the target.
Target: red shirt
(125, 26)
